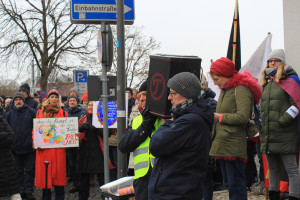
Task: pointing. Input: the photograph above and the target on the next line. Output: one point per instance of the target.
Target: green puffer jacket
(279, 132)
(229, 137)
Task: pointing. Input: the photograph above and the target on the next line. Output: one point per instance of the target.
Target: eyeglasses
(173, 94)
(275, 61)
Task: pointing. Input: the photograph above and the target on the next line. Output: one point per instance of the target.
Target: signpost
(107, 12)
(95, 11)
(80, 80)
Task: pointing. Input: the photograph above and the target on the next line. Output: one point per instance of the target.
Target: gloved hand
(148, 121)
(148, 118)
(84, 127)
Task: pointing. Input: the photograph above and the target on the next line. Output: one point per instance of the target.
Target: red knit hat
(53, 91)
(223, 67)
(85, 96)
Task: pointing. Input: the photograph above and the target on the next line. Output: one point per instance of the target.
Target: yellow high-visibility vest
(141, 155)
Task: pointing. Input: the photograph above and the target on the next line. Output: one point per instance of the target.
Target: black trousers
(59, 193)
(25, 164)
(140, 186)
(84, 179)
(72, 154)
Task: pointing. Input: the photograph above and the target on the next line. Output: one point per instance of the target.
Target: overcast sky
(202, 27)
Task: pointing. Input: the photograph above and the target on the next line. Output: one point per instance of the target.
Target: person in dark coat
(8, 176)
(131, 100)
(2, 112)
(25, 90)
(181, 145)
(20, 119)
(74, 110)
(90, 154)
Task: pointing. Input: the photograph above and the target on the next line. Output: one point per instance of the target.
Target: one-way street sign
(97, 11)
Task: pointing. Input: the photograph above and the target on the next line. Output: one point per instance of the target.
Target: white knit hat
(277, 53)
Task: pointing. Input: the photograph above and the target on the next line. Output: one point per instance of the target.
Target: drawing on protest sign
(55, 132)
(112, 113)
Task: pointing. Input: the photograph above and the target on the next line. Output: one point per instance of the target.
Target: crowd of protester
(203, 146)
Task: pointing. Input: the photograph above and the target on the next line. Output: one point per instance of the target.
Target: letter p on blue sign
(81, 76)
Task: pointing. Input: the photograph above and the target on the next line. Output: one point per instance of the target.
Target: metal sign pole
(122, 161)
(104, 98)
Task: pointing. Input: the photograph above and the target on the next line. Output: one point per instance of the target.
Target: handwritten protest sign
(55, 132)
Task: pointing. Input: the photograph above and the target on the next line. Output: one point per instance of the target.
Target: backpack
(254, 124)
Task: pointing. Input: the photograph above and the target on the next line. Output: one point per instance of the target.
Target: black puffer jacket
(8, 176)
(90, 153)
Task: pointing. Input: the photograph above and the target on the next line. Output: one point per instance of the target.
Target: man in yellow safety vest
(137, 140)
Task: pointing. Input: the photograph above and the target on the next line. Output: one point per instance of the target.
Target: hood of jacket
(246, 79)
(209, 94)
(198, 107)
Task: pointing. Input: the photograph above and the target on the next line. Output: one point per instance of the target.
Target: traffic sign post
(95, 12)
(80, 80)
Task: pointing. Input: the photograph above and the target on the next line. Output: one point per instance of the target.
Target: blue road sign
(80, 76)
(97, 11)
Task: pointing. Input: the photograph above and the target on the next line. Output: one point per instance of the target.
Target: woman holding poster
(56, 157)
(91, 160)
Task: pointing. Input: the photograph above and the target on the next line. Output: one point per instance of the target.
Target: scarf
(50, 111)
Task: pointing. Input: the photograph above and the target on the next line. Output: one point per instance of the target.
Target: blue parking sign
(80, 76)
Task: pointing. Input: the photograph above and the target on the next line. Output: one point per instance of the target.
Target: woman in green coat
(279, 109)
(239, 92)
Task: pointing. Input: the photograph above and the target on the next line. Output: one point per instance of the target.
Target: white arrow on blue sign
(97, 11)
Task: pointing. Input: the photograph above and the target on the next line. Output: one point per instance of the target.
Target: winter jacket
(235, 103)
(8, 176)
(78, 112)
(91, 158)
(57, 162)
(181, 149)
(209, 97)
(2, 113)
(21, 122)
(279, 132)
(31, 102)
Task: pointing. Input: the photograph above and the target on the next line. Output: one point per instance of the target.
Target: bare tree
(138, 48)
(41, 30)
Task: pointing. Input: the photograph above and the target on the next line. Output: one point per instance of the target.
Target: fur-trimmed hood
(246, 79)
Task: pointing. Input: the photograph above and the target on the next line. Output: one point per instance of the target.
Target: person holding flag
(279, 110)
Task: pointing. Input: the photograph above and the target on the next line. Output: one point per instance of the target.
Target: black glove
(84, 127)
(148, 121)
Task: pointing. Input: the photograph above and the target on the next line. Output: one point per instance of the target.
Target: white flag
(258, 60)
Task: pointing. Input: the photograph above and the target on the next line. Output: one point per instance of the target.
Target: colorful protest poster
(112, 113)
(55, 132)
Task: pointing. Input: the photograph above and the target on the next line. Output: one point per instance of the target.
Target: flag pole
(235, 31)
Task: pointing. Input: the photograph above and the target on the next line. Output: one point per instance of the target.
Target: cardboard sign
(55, 132)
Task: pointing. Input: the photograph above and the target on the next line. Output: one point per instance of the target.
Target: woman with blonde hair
(56, 157)
(279, 109)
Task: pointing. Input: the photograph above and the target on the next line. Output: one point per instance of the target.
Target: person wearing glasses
(182, 143)
(279, 109)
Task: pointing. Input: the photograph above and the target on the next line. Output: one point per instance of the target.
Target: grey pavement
(95, 193)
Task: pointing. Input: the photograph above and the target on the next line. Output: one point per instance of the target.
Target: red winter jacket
(57, 162)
